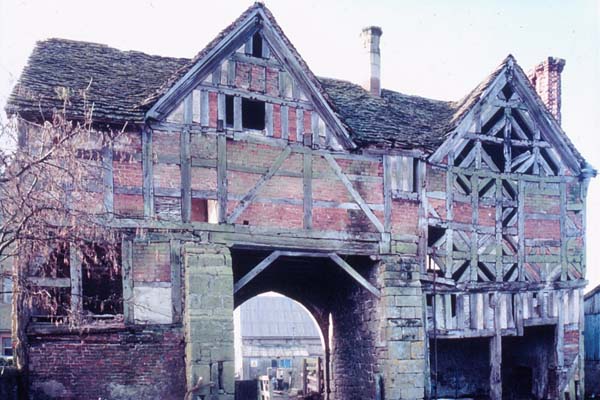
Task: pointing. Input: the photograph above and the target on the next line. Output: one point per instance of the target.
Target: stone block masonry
(208, 320)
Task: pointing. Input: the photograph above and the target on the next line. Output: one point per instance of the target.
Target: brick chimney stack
(371, 36)
(545, 78)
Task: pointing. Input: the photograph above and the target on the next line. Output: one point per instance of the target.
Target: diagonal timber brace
(251, 195)
(271, 258)
(355, 195)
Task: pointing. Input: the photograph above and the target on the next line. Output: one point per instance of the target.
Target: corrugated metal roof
(271, 316)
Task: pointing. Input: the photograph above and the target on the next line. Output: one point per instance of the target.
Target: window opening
(7, 349)
(101, 281)
(257, 45)
(204, 210)
(253, 114)
(404, 174)
(7, 288)
(229, 111)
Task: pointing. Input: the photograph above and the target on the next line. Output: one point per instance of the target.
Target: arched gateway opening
(337, 292)
(369, 308)
(277, 340)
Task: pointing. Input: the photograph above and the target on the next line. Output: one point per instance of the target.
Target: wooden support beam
(107, 177)
(75, 272)
(499, 197)
(307, 187)
(186, 175)
(237, 114)
(521, 230)
(423, 225)
(204, 108)
(222, 177)
(269, 119)
(176, 271)
(285, 122)
(300, 128)
(354, 274)
(355, 195)
(247, 199)
(50, 282)
(563, 231)
(127, 276)
(256, 270)
(147, 169)
(387, 194)
(496, 353)
(475, 221)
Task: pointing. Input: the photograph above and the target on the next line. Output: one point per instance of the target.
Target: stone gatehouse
(441, 243)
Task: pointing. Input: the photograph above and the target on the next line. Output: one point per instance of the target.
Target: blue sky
(438, 49)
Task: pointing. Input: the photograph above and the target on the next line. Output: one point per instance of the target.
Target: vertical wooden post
(107, 176)
(499, 267)
(147, 168)
(449, 216)
(475, 221)
(496, 354)
(307, 185)
(176, 266)
(387, 194)
(222, 177)
(186, 161)
(75, 275)
(563, 231)
(304, 376)
(127, 276)
(521, 229)
(560, 341)
(285, 130)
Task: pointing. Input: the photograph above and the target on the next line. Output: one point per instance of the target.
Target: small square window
(204, 210)
(253, 114)
(404, 174)
(7, 349)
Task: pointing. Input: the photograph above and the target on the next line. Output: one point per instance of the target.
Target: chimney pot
(371, 36)
(546, 79)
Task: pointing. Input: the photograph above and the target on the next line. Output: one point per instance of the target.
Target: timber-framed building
(441, 243)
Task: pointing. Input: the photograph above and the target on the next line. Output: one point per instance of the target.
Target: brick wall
(138, 363)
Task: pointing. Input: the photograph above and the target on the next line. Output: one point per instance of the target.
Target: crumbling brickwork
(99, 365)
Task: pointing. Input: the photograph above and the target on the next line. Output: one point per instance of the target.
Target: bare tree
(51, 204)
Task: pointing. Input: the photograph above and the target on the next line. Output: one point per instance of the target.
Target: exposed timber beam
(354, 274)
(355, 195)
(256, 270)
(247, 199)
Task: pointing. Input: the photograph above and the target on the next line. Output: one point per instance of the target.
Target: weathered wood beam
(496, 353)
(387, 194)
(127, 277)
(256, 270)
(49, 282)
(354, 274)
(307, 188)
(75, 272)
(355, 195)
(147, 169)
(247, 199)
(176, 271)
(222, 177)
(186, 175)
(107, 177)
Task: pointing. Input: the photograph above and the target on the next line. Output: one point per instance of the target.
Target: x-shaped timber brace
(333, 256)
